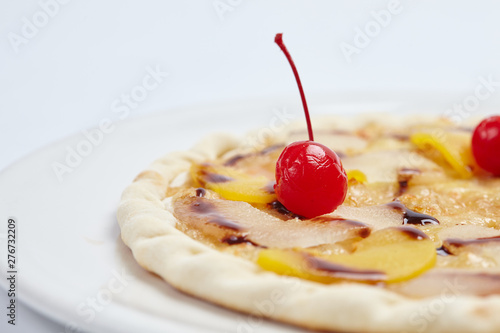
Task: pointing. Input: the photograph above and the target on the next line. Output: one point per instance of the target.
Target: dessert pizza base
(150, 229)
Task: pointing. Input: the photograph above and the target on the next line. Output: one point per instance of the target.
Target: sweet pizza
(381, 223)
(415, 245)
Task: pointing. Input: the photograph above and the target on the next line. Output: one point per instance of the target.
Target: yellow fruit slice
(390, 255)
(356, 175)
(401, 252)
(232, 184)
(454, 147)
(294, 263)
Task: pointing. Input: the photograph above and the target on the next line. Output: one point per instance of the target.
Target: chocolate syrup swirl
(410, 216)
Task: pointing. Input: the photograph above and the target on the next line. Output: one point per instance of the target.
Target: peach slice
(390, 255)
(300, 263)
(356, 176)
(453, 147)
(232, 184)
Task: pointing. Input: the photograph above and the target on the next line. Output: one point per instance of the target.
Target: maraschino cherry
(486, 144)
(310, 178)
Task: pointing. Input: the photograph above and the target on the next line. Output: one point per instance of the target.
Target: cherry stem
(279, 40)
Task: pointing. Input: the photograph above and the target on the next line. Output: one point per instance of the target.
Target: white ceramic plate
(72, 264)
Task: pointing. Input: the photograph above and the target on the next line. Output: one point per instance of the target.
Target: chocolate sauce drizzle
(234, 239)
(363, 229)
(399, 136)
(271, 148)
(443, 251)
(284, 213)
(410, 216)
(236, 158)
(200, 192)
(203, 207)
(211, 177)
(464, 242)
(413, 232)
(404, 176)
(343, 272)
(449, 244)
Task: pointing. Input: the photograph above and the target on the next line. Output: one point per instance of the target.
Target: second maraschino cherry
(486, 144)
(310, 178)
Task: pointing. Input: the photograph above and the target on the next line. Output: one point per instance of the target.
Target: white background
(66, 76)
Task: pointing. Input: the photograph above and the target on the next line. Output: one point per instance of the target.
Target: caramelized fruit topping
(389, 255)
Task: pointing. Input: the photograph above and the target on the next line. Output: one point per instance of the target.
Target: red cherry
(310, 179)
(486, 144)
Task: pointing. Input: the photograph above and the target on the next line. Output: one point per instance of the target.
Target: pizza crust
(149, 229)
